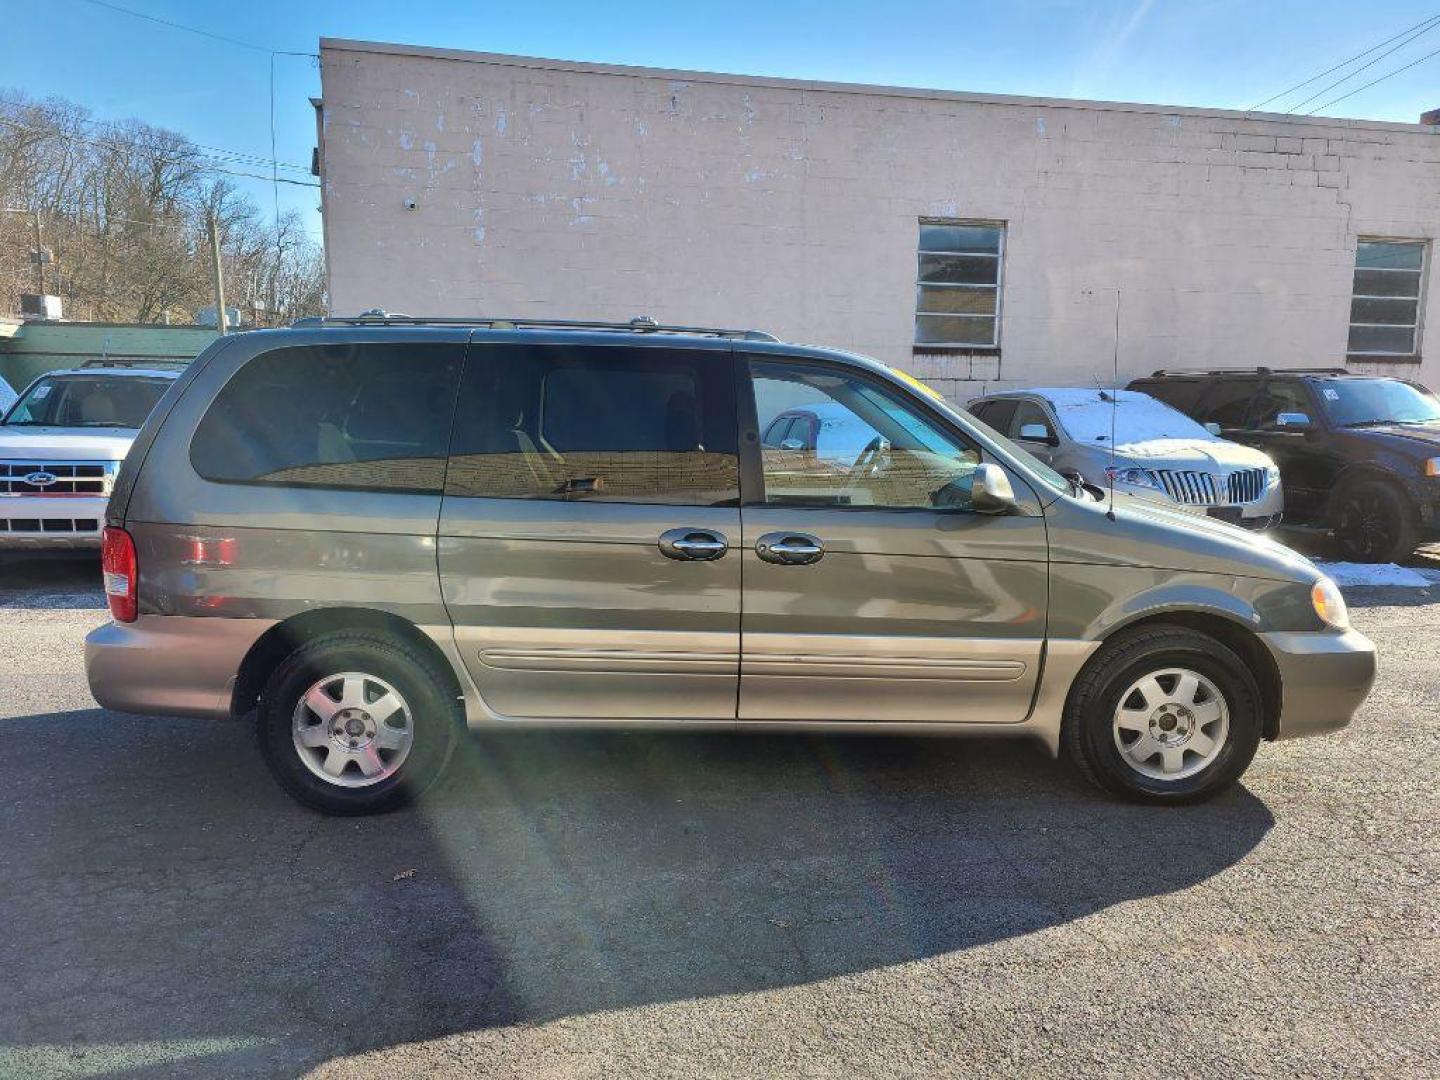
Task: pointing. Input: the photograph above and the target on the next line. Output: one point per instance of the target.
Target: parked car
(7, 397)
(1359, 454)
(1159, 453)
(61, 444)
(366, 534)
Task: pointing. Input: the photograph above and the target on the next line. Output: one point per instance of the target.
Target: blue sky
(1225, 53)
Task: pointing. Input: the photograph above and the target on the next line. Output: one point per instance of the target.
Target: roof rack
(641, 324)
(1161, 372)
(155, 362)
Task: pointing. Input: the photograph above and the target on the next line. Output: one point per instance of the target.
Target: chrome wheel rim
(1171, 724)
(352, 729)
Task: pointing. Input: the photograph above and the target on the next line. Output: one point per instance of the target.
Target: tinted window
(608, 424)
(1227, 403)
(340, 416)
(1277, 398)
(89, 401)
(870, 448)
(999, 413)
(1027, 412)
(1182, 394)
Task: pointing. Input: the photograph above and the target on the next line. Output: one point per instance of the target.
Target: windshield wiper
(1387, 423)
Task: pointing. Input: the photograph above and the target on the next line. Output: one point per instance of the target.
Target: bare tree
(124, 209)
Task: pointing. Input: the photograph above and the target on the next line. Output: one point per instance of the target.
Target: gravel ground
(708, 905)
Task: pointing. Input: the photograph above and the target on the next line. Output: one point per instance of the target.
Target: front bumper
(35, 521)
(1325, 676)
(169, 665)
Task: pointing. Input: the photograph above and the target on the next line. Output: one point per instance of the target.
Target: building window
(957, 293)
(1385, 306)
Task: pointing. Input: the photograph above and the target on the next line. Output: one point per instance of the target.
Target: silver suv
(365, 535)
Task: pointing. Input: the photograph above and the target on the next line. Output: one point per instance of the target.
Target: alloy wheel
(1171, 724)
(352, 729)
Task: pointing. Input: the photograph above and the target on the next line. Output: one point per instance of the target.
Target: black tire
(435, 715)
(1373, 523)
(1088, 732)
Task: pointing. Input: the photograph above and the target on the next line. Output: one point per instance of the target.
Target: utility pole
(219, 274)
(39, 252)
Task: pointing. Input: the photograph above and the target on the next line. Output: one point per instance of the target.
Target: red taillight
(122, 573)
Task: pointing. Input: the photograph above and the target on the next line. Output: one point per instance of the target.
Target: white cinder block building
(973, 240)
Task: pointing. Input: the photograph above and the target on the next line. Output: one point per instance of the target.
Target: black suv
(1359, 455)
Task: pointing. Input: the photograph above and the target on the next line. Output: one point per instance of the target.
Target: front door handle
(693, 545)
(790, 549)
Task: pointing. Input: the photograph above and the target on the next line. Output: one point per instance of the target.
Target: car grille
(1246, 485)
(26, 526)
(71, 477)
(1192, 488)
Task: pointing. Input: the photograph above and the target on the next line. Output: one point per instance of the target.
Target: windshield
(1360, 402)
(88, 401)
(1086, 416)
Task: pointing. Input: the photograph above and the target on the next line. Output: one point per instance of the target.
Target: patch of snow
(1139, 418)
(1352, 574)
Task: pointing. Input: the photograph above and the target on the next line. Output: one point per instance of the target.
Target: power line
(195, 30)
(1373, 82)
(120, 147)
(237, 157)
(1343, 63)
(1362, 67)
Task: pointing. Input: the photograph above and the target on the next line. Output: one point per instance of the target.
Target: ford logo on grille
(40, 479)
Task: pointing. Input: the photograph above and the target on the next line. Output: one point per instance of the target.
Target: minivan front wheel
(357, 723)
(1165, 715)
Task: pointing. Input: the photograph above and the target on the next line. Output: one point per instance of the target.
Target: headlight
(1431, 467)
(1272, 475)
(1325, 598)
(1133, 477)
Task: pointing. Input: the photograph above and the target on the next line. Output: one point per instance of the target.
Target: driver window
(1028, 414)
(1277, 398)
(867, 446)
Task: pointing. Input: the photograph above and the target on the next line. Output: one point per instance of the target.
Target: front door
(588, 528)
(1309, 470)
(872, 591)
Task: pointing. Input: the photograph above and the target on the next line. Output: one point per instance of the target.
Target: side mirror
(792, 444)
(1212, 427)
(990, 490)
(1036, 433)
(1294, 421)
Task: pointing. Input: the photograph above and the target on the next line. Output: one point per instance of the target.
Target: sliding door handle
(790, 549)
(693, 545)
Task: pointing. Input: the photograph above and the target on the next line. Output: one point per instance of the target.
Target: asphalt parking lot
(707, 905)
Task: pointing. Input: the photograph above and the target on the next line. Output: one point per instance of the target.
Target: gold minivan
(363, 535)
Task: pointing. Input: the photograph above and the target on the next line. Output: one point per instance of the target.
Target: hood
(1204, 455)
(1421, 436)
(1151, 534)
(65, 444)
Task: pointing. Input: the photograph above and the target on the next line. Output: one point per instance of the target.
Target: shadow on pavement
(50, 579)
(165, 906)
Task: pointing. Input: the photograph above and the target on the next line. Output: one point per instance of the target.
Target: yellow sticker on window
(918, 385)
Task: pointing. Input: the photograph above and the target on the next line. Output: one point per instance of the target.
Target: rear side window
(367, 416)
(1182, 394)
(597, 423)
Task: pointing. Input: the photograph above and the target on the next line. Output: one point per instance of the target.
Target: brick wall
(578, 191)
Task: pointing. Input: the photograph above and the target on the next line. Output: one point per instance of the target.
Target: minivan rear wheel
(357, 723)
(1164, 715)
